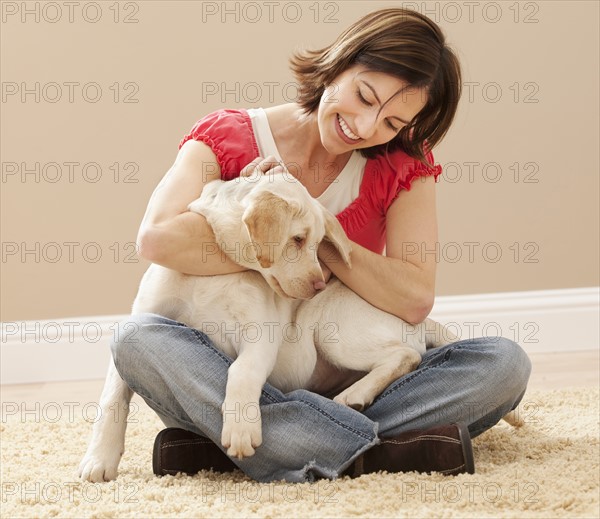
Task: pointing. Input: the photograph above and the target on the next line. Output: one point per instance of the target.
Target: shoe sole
(467, 447)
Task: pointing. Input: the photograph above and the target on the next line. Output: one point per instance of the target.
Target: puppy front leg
(381, 373)
(242, 424)
(104, 452)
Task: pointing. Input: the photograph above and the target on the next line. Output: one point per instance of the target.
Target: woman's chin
(335, 146)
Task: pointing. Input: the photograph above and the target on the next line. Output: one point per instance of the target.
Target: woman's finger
(263, 165)
(250, 167)
(268, 163)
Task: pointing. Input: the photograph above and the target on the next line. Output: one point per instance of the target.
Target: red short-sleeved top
(230, 135)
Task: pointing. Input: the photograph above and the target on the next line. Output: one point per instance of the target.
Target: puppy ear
(267, 220)
(335, 233)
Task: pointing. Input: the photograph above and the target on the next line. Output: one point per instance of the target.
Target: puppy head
(285, 226)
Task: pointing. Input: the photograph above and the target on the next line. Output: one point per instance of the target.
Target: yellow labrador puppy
(293, 332)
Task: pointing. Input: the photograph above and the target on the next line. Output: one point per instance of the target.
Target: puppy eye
(299, 240)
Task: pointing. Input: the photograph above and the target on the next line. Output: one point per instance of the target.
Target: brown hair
(399, 42)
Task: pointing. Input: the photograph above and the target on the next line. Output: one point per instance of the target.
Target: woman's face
(362, 108)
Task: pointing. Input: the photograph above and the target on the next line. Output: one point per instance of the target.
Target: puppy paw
(353, 399)
(240, 436)
(99, 465)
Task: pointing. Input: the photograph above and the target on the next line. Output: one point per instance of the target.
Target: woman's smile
(344, 131)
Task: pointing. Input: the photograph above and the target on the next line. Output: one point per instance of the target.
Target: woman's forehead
(390, 89)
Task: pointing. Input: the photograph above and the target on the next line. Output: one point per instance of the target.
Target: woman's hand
(267, 165)
(401, 282)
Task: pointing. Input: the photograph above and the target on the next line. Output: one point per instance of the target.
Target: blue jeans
(182, 377)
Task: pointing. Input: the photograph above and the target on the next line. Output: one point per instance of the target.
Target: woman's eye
(392, 127)
(362, 99)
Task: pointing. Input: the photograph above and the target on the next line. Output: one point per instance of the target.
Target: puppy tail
(437, 335)
(514, 418)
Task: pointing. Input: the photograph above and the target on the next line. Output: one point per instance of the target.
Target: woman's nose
(365, 126)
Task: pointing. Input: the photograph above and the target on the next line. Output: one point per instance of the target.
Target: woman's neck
(297, 136)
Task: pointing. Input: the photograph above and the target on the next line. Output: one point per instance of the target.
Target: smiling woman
(378, 105)
(386, 44)
(371, 107)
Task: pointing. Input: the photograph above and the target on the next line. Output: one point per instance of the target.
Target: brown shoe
(177, 450)
(445, 449)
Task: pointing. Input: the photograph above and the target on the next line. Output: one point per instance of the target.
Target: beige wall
(529, 115)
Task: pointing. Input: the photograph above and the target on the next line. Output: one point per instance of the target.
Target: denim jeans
(182, 377)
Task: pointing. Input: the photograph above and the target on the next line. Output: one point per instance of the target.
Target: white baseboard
(540, 321)
(76, 348)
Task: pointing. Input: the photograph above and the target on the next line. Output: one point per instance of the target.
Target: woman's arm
(402, 282)
(172, 236)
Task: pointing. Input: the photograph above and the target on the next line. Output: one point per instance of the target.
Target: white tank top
(340, 192)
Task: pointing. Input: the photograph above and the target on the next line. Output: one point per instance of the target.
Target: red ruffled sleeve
(364, 220)
(397, 172)
(231, 138)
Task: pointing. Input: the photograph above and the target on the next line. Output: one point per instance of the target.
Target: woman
(371, 107)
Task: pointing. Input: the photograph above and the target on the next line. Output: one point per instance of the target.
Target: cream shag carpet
(547, 468)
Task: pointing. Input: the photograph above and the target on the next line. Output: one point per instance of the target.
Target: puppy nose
(319, 285)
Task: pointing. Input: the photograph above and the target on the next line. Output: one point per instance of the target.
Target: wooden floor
(550, 371)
